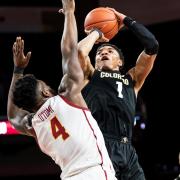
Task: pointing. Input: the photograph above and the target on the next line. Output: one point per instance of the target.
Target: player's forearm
(69, 38)
(86, 44)
(15, 114)
(12, 109)
(69, 48)
(143, 34)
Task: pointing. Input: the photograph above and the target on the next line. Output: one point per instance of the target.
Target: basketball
(103, 19)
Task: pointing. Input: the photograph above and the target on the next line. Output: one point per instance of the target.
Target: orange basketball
(103, 19)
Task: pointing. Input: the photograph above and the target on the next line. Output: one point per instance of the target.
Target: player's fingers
(18, 39)
(14, 48)
(121, 26)
(22, 45)
(61, 11)
(112, 9)
(28, 56)
(105, 39)
(87, 31)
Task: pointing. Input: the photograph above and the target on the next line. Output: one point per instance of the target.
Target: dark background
(157, 146)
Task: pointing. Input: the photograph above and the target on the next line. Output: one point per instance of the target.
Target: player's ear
(46, 93)
(120, 63)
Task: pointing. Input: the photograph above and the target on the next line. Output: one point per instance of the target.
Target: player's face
(107, 58)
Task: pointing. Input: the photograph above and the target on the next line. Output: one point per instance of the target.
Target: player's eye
(99, 52)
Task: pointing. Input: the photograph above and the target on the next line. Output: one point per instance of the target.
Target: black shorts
(124, 159)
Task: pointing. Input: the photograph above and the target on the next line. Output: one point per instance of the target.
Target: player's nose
(104, 53)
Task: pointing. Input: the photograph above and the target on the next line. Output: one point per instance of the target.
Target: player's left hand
(119, 16)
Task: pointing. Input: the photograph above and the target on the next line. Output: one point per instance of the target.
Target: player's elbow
(153, 47)
(13, 122)
(66, 50)
(10, 114)
(82, 52)
(78, 77)
(68, 47)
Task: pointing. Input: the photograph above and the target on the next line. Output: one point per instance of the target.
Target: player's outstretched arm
(70, 63)
(69, 37)
(17, 116)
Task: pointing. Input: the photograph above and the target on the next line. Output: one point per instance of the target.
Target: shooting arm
(145, 37)
(146, 59)
(84, 48)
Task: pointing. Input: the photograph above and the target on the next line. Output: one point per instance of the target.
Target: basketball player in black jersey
(111, 96)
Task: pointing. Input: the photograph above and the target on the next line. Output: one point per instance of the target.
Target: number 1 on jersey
(119, 89)
(58, 129)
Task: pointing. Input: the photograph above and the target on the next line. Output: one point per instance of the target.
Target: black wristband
(100, 33)
(128, 21)
(18, 70)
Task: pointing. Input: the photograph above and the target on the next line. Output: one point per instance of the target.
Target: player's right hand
(20, 60)
(68, 5)
(101, 39)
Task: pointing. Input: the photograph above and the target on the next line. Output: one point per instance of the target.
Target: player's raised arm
(70, 62)
(69, 38)
(95, 21)
(145, 61)
(17, 116)
(85, 46)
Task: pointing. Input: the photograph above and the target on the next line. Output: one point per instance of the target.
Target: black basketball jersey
(111, 98)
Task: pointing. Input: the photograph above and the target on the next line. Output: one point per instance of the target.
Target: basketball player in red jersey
(111, 94)
(62, 124)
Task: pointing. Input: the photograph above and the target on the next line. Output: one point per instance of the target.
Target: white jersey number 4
(57, 129)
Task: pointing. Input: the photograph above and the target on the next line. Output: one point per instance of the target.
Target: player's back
(71, 136)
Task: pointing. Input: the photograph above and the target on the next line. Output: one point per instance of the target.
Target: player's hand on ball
(102, 38)
(104, 19)
(119, 15)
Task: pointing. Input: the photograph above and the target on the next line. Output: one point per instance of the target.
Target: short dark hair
(25, 92)
(116, 48)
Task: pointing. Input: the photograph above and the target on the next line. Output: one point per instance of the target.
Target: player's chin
(106, 68)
